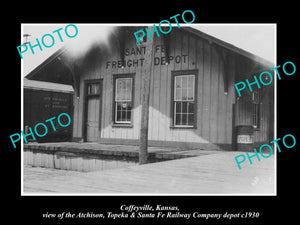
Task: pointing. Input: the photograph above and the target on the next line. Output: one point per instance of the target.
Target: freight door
(93, 111)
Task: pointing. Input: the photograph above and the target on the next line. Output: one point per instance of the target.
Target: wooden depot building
(192, 99)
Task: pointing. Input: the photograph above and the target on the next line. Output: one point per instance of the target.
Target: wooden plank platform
(130, 151)
(207, 174)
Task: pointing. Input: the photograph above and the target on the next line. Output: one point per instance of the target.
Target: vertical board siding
(200, 85)
(213, 116)
(243, 108)
(221, 111)
(192, 53)
(168, 134)
(206, 91)
(244, 112)
(154, 95)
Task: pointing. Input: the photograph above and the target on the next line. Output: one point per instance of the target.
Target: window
(184, 101)
(123, 92)
(93, 89)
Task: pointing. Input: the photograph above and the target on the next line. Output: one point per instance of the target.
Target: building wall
(243, 107)
(41, 105)
(214, 107)
(244, 116)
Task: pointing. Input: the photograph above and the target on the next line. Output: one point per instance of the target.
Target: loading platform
(207, 172)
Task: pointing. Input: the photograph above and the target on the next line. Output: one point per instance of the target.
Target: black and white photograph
(139, 115)
(158, 114)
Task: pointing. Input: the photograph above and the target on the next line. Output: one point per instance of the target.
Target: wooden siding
(243, 105)
(214, 107)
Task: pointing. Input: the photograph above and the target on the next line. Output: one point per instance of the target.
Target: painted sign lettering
(244, 139)
(140, 61)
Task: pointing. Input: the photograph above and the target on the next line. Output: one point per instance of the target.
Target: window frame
(114, 105)
(174, 75)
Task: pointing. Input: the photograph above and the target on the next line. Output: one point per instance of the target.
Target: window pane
(184, 87)
(178, 88)
(119, 89)
(184, 94)
(191, 85)
(129, 88)
(190, 107)
(119, 111)
(129, 105)
(123, 89)
(178, 94)
(118, 115)
(190, 119)
(184, 119)
(119, 106)
(89, 89)
(184, 81)
(93, 89)
(190, 94)
(184, 107)
(124, 105)
(178, 107)
(123, 115)
(178, 81)
(178, 119)
(96, 89)
(191, 81)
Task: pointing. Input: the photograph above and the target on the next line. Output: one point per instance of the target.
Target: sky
(259, 39)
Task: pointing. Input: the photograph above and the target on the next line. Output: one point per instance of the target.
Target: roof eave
(46, 62)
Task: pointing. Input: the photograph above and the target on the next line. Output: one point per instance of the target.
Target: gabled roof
(46, 62)
(55, 65)
(53, 69)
